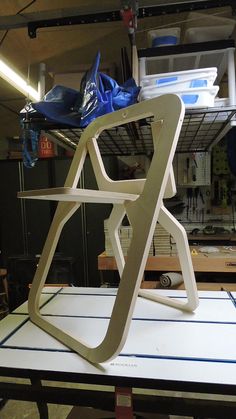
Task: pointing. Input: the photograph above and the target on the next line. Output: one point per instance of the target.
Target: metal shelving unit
(202, 128)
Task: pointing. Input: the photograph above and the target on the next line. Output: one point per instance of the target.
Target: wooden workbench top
(222, 261)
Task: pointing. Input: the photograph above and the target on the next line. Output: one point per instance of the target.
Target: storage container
(201, 97)
(179, 85)
(203, 27)
(163, 37)
(207, 33)
(185, 79)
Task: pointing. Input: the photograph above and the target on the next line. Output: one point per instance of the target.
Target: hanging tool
(194, 168)
(187, 169)
(189, 196)
(129, 13)
(194, 159)
(201, 196)
(195, 198)
(189, 200)
(196, 193)
(194, 175)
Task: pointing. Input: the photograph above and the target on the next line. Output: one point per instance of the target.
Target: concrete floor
(27, 410)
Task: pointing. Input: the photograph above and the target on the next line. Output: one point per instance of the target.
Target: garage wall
(24, 224)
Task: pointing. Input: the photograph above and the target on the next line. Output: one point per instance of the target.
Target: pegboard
(193, 169)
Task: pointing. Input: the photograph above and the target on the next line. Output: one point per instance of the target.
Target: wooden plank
(222, 261)
(78, 195)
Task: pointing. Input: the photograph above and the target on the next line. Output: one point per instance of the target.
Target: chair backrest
(167, 112)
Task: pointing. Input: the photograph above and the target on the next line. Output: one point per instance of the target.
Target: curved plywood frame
(141, 200)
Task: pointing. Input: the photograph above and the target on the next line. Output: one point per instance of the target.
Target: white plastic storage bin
(220, 54)
(203, 27)
(192, 98)
(163, 37)
(203, 77)
(207, 33)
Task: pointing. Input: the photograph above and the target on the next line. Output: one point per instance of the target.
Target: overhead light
(8, 74)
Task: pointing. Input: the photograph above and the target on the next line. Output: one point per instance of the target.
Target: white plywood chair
(141, 200)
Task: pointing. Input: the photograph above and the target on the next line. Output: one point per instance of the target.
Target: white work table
(166, 349)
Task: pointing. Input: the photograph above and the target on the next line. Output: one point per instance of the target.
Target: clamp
(129, 11)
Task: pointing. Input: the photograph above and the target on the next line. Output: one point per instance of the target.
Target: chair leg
(169, 222)
(113, 224)
(63, 213)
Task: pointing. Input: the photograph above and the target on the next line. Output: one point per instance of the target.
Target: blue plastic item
(164, 40)
(102, 94)
(198, 83)
(189, 99)
(96, 101)
(99, 94)
(61, 104)
(121, 96)
(30, 140)
(166, 80)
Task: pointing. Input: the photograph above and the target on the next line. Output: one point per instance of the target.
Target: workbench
(172, 359)
(222, 261)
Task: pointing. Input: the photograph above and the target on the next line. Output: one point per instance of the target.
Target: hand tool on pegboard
(129, 14)
(189, 194)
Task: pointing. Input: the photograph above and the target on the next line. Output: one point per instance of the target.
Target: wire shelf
(200, 130)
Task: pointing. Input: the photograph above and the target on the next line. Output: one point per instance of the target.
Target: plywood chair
(141, 200)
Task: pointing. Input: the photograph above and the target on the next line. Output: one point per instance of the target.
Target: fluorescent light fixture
(18, 82)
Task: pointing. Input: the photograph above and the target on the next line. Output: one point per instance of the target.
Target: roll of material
(170, 279)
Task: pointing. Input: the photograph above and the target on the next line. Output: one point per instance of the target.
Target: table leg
(5, 285)
(42, 407)
(123, 403)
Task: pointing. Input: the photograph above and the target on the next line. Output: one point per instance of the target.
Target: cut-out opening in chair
(141, 200)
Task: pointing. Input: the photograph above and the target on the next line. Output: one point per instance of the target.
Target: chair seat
(78, 195)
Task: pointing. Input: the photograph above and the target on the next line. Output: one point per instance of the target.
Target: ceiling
(63, 48)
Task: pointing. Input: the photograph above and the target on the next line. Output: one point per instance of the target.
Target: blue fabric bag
(102, 94)
(96, 101)
(61, 104)
(99, 94)
(122, 96)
